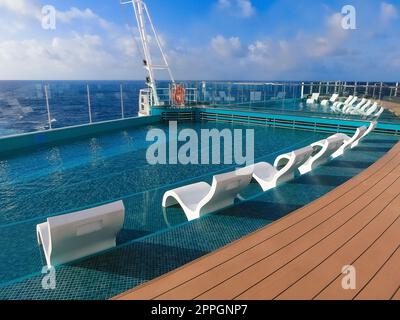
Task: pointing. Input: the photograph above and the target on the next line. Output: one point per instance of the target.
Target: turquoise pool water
(88, 172)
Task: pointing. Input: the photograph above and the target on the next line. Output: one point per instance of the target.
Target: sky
(203, 40)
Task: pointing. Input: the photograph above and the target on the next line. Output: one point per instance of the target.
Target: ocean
(23, 105)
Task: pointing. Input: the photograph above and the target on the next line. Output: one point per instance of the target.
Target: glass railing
(25, 107)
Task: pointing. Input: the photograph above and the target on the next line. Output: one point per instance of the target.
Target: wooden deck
(302, 255)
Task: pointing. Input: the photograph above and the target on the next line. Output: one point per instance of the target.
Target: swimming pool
(84, 173)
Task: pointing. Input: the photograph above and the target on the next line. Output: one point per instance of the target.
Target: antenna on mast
(142, 16)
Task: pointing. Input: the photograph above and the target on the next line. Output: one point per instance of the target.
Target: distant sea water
(23, 105)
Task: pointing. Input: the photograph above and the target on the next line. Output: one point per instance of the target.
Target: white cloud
(86, 14)
(239, 8)
(29, 8)
(22, 7)
(388, 12)
(225, 47)
(79, 56)
(246, 8)
(224, 4)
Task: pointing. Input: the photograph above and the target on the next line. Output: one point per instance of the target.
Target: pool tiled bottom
(154, 254)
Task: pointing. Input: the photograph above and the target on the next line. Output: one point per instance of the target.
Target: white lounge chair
(337, 103)
(372, 110)
(356, 108)
(379, 113)
(349, 142)
(371, 128)
(283, 170)
(314, 98)
(363, 108)
(73, 236)
(323, 150)
(345, 107)
(200, 198)
(332, 100)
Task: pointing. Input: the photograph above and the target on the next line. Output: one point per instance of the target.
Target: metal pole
(396, 91)
(380, 91)
(47, 106)
(355, 88)
(122, 102)
(366, 89)
(302, 90)
(89, 104)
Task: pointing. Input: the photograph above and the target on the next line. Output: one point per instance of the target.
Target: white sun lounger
(314, 98)
(343, 108)
(363, 108)
(337, 103)
(358, 107)
(372, 110)
(200, 198)
(73, 236)
(349, 142)
(379, 113)
(371, 128)
(283, 170)
(323, 150)
(332, 100)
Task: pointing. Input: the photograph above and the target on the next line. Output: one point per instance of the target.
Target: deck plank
(376, 250)
(386, 282)
(284, 259)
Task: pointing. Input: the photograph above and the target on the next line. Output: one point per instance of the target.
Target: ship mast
(142, 16)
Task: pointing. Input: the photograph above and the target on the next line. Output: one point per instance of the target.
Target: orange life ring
(178, 95)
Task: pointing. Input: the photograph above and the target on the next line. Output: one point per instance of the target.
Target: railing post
(89, 103)
(380, 91)
(46, 93)
(366, 89)
(122, 102)
(397, 89)
(355, 88)
(302, 90)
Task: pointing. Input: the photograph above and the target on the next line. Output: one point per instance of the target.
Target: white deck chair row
(363, 107)
(200, 198)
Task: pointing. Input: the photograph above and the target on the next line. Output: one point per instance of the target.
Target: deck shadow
(375, 141)
(348, 164)
(127, 235)
(320, 179)
(270, 211)
(142, 261)
(373, 149)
